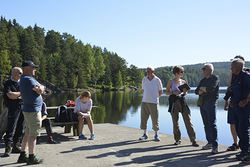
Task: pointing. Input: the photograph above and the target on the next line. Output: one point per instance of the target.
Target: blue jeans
(208, 114)
(242, 127)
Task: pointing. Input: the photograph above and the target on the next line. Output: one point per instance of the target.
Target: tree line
(63, 60)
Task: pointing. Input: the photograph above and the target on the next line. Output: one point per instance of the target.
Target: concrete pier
(116, 145)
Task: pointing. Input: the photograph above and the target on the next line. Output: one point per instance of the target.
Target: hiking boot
(144, 137)
(214, 150)
(207, 146)
(82, 137)
(233, 147)
(177, 142)
(51, 141)
(7, 149)
(195, 144)
(157, 138)
(34, 160)
(92, 137)
(16, 147)
(23, 158)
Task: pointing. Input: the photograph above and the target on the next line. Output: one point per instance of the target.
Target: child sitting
(83, 108)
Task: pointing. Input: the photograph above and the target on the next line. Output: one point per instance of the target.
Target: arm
(14, 95)
(39, 89)
(169, 85)
(212, 85)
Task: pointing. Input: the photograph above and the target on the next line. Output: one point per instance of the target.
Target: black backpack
(62, 114)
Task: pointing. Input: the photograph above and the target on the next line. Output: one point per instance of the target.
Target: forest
(68, 63)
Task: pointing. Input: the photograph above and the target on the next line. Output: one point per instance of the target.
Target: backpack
(62, 114)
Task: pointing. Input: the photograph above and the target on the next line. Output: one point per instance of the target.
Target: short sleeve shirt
(83, 107)
(151, 89)
(32, 102)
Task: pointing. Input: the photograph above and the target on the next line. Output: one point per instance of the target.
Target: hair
(209, 66)
(177, 69)
(239, 57)
(239, 63)
(15, 70)
(85, 94)
(151, 68)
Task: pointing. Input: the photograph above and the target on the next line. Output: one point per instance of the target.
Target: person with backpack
(83, 109)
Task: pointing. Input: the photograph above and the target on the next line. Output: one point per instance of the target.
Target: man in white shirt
(152, 90)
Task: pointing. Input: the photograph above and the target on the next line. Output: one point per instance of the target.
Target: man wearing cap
(15, 122)
(239, 102)
(31, 92)
(208, 89)
(152, 90)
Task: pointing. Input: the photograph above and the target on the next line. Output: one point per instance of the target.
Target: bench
(67, 125)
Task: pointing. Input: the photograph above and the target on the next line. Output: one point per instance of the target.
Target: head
(207, 70)
(29, 68)
(178, 71)
(150, 71)
(85, 96)
(16, 73)
(237, 66)
(239, 57)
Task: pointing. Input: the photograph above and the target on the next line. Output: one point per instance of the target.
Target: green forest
(68, 63)
(63, 60)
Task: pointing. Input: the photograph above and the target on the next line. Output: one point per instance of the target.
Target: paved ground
(119, 146)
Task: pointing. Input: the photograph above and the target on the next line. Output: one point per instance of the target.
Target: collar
(12, 79)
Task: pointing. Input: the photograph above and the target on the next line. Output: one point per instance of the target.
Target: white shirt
(151, 89)
(83, 107)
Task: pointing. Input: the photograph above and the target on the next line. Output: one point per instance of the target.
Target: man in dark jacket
(15, 123)
(208, 88)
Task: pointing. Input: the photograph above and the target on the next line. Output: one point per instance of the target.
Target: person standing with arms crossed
(15, 123)
(31, 92)
(152, 90)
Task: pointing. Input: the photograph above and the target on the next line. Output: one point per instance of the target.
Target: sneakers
(82, 137)
(23, 158)
(51, 141)
(34, 160)
(157, 138)
(144, 137)
(243, 156)
(207, 146)
(195, 144)
(92, 137)
(233, 147)
(16, 148)
(177, 142)
(214, 150)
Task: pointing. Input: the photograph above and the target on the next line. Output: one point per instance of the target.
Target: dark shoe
(34, 160)
(157, 138)
(7, 149)
(207, 146)
(51, 141)
(195, 144)
(214, 150)
(23, 158)
(242, 156)
(177, 142)
(233, 147)
(16, 148)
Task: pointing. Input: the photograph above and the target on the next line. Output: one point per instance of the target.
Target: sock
(22, 153)
(31, 156)
(145, 131)
(49, 137)
(156, 133)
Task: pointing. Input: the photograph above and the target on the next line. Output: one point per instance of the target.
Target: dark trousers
(208, 114)
(15, 126)
(242, 127)
(47, 124)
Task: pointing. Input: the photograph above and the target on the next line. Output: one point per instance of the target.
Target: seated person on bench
(82, 109)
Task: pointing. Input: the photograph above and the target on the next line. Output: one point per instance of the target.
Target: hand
(203, 89)
(243, 103)
(226, 106)
(200, 92)
(176, 92)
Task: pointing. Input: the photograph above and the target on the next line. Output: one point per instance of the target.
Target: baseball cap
(29, 63)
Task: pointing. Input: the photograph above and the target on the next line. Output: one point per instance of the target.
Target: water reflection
(123, 108)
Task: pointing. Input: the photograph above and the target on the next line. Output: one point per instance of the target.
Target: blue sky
(146, 32)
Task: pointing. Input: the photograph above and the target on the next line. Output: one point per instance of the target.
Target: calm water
(123, 108)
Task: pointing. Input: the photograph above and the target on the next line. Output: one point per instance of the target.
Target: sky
(145, 33)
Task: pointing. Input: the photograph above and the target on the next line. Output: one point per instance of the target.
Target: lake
(123, 108)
